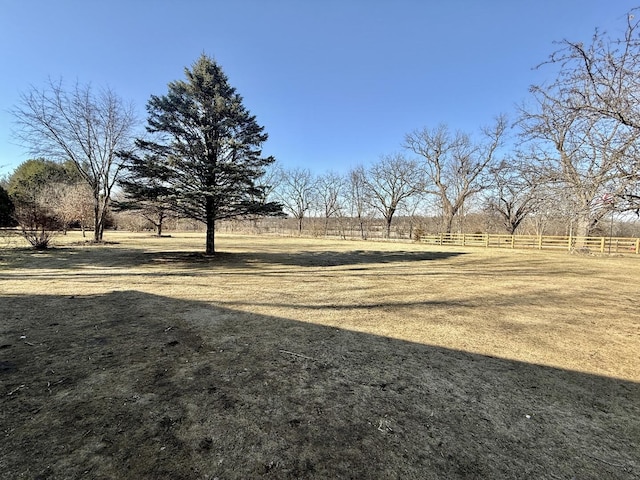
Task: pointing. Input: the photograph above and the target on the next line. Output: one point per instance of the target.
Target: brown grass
(299, 358)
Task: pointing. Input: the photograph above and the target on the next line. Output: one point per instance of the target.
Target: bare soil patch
(298, 358)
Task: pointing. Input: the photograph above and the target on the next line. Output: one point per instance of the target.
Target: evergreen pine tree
(208, 158)
(6, 209)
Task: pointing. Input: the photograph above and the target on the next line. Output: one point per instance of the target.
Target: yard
(311, 359)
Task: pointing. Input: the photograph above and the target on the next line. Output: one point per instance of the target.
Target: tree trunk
(97, 236)
(448, 222)
(389, 217)
(448, 213)
(361, 225)
(583, 225)
(388, 234)
(211, 227)
(211, 242)
(159, 223)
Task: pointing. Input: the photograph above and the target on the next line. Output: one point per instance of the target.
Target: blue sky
(334, 83)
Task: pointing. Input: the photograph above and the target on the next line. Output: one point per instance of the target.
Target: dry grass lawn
(304, 358)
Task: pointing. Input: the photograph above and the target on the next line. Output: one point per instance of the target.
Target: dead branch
(297, 355)
(15, 390)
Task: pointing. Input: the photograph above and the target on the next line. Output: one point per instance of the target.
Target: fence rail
(537, 242)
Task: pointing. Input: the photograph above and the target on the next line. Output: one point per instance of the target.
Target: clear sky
(335, 83)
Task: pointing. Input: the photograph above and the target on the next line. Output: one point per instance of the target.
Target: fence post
(464, 239)
(513, 241)
(486, 240)
(602, 244)
(570, 242)
(539, 242)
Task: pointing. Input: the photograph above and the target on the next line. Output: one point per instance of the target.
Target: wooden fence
(537, 242)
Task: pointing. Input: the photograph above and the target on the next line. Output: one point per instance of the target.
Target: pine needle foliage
(206, 152)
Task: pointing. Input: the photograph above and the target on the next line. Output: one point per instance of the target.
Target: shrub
(37, 223)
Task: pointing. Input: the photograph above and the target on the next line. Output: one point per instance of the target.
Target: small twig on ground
(297, 355)
(617, 465)
(30, 344)
(15, 390)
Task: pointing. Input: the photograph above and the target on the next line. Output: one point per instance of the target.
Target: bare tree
(266, 192)
(330, 196)
(78, 199)
(358, 197)
(603, 75)
(514, 194)
(390, 181)
(412, 207)
(602, 79)
(269, 181)
(80, 125)
(578, 152)
(454, 165)
(295, 191)
(70, 202)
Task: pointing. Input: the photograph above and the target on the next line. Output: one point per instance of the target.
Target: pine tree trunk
(159, 222)
(211, 243)
(211, 227)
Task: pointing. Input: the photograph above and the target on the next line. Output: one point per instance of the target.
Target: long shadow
(103, 257)
(132, 385)
(341, 258)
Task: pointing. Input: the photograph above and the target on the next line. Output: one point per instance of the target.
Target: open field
(300, 358)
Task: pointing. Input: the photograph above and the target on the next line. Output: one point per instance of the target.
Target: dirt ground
(312, 359)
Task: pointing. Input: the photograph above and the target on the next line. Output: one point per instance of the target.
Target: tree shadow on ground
(325, 258)
(103, 257)
(132, 385)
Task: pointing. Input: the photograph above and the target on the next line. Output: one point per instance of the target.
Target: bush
(37, 224)
(418, 233)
